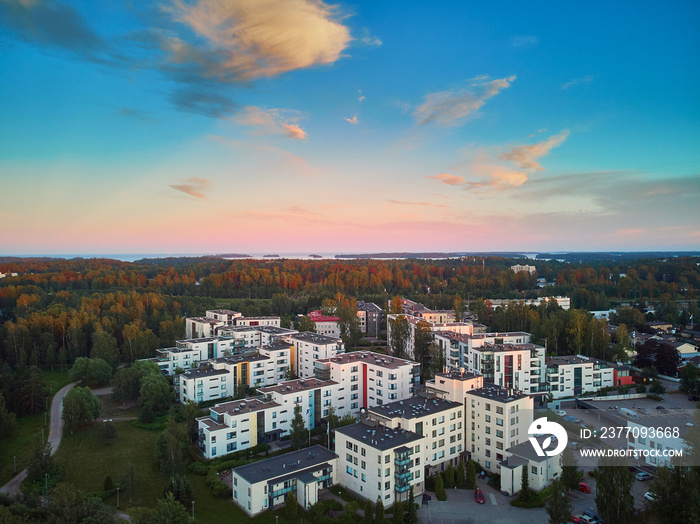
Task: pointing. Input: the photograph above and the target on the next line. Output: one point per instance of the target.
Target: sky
(249, 126)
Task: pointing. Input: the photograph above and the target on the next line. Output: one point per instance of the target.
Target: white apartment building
(563, 302)
(440, 421)
(202, 327)
(263, 485)
(236, 425)
(517, 268)
(368, 379)
(415, 323)
(226, 315)
(248, 337)
(541, 470)
(257, 321)
(202, 385)
(379, 462)
(189, 353)
(325, 324)
(573, 375)
(309, 347)
(497, 419)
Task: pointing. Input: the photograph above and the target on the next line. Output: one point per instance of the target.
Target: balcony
(401, 462)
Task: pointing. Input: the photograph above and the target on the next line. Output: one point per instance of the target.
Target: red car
(479, 496)
(584, 487)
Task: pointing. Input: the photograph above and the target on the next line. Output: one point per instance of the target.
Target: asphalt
(55, 435)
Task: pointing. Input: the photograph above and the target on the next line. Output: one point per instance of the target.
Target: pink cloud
(526, 156)
(352, 120)
(271, 122)
(450, 180)
(193, 186)
(406, 203)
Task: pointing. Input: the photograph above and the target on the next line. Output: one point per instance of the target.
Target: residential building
(247, 337)
(189, 353)
(497, 419)
(371, 318)
(368, 379)
(202, 385)
(263, 485)
(563, 302)
(541, 470)
(309, 347)
(226, 315)
(417, 323)
(380, 463)
(202, 327)
(314, 397)
(257, 321)
(517, 268)
(439, 420)
(237, 425)
(653, 445)
(325, 324)
(574, 375)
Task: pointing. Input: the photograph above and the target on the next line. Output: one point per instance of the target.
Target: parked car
(693, 398)
(643, 410)
(632, 469)
(643, 476)
(649, 495)
(479, 496)
(582, 486)
(662, 409)
(576, 520)
(591, 516)
(561, 412)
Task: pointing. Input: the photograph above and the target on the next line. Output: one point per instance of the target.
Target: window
(386, 472)
(534, 470)
(387, 459)
(364, 465)
(364, 478)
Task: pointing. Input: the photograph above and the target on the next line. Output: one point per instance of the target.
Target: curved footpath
(55, 435)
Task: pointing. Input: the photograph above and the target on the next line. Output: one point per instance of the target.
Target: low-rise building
(541, 470)
(205, 384)
(325, 324)
(252, 337)
(226, 315)
(263, 485)
(314, 396)
(574, 375)
(202, 327)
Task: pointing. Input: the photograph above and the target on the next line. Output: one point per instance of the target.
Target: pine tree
(290, 506)
(379, 512)
(558, 505)
(450, 477)
(298, 430)
(369, 512)
(614, 489)
(470, 481)
(440, 488)
(411, 516)
(398, 513)
(459, 475)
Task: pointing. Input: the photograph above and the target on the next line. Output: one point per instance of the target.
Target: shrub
(108, 484)
(440, 488)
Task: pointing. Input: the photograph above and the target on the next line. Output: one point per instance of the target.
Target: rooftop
(249, 405)
(564, 360)
(368, 306)
(237, 359)
(296, 386)
(293, 462)
(206, 320)
(379, 437)
(318, 316)
(370, 357)
(495, 392)
(457, 375)
(223, 311)
(526, 451)
(414, 407)
(203, 372)
(315, 338)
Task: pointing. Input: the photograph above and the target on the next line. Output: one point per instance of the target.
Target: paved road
(55, 434)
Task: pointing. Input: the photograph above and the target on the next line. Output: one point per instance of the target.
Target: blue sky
(294, 125)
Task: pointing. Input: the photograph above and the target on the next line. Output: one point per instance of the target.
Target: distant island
(234, 255)
(315, 256)
(271, 256)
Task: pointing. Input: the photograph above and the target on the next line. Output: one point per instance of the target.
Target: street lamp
(193, 509)
(46, 483)
(117, 496)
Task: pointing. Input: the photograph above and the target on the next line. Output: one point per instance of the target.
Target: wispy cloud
(578, 81)
(130, 112)
(361, 97)
(266, 38)
(524, 41)
(193, 186)
(450, 180)
(451, 108)
(271, 122)
(406, 203)
(367, 39)
(201, 102)
(526, 156)
(352, 120)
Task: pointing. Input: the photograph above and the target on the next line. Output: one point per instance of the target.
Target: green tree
(290, 506)
(470, 482)
(171, 447)
(40, 465)
(306, 324)
(657, 388)
(397, 515)
(155, 393)
(8, 420)
(127, 382)
(421, 349)
(449, 476)
(676, 487)
(570, 475)
(558, 504)
(167, 511)
(91, 371)
(400, 332)
(411, 516)
(180, 487)
(379, 512)
(108, 432)
(525, 492)
(80, 405)
(369, 512)
(459, 475)
(690, 379)
(440, 488)
(614, 490)
(105, 346)
(297, 433)
(458, 307)
(436, 358)
(69, 505)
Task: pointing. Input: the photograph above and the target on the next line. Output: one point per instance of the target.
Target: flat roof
(247, 405)
(379, 437)
(208, 320)
(295, 386)
(223, 311)
(496, 392)
(526, 451)
(565, 359)
(307, 336)
(368, 306)
(370, 357)
(295, 462)
(236, 359)
(414, 407)
(197, 340)
(457, 375)
(206, 372)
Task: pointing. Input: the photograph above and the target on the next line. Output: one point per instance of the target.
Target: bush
(108, 432)
(108, 484)
(495, 480)
(641, 388)
(219, 489)
(440, 488)
(198, 468)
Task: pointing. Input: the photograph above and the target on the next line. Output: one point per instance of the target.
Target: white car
(650, 496)
(560, 412)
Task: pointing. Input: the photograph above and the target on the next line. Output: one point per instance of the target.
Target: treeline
(470, 276)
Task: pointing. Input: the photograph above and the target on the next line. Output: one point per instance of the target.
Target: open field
(20, 445)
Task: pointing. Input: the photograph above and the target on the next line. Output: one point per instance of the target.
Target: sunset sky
(217, 126)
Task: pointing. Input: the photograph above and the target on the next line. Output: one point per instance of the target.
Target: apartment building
(257, 321)
(325, 324)
(371, 318)
(263, 485)
(517, 268)
(237, 425)
(439, 421)
(202, 327)
(563, 302)
(226, 315)
(415, 323)
(204, 384)
(309, 347)
(541, 470)
(247, 337)
(368, 379)
(380, 463)
(573, 375)
(497, 419)
(189, 353)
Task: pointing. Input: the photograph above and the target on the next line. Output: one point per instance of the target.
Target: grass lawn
(20, 445)
(54, 380)
(87, 462)
(111, 409)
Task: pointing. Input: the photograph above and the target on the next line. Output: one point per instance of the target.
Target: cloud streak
(271, 122)
(450, 180)
(406, 203)
(578, 81)
(193, 186)
(526, 156)
(352, 120)
(450, 108)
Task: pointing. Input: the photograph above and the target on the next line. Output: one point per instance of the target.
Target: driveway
(55, 435)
